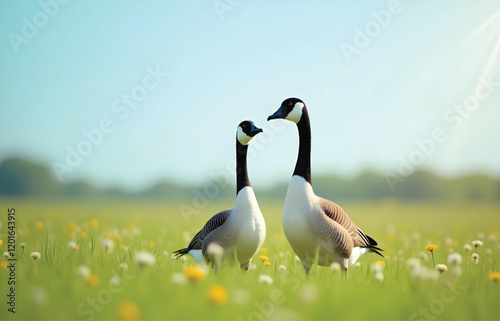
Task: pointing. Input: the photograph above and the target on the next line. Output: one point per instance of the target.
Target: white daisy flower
(281, 268)
(72, 245)
(35, 255)
(467, 247)
(108, 245)
(441, 268)
(6, 254)
(379, 277)
(83, 271)
(475, 258)
(144, 259)
(23, 245)
(477, 243)
(376, 268)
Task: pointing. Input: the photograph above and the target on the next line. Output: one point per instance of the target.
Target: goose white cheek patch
(296, 113)
(243, 138)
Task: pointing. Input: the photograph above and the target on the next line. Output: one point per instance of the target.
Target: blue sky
(376, 76)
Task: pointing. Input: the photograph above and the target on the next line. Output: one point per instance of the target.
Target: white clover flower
(115, 281)
(475, 258)
(265, 279)
(379, 277)
(108, 245)
(72, 245)
(357, 265)
(83, 271)
(335, 267)
(477, 243)
(454, 259)
(281, 268)
(6, 254)
(144, 259)
(23, 245)
(376, 268)
(441, 268)
(178, 278)
(467, 247)
(35, 255)
(216, 251)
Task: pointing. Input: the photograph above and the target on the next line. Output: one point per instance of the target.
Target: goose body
(316, 228)
(239, 231)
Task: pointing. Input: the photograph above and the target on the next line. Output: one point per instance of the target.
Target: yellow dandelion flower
(263, 258)
(1, 242)
(123, 247)
(217, 295)
(72, 226)
(94, 223)
(118, 238)
(380, 262)
(39, 225)
(129, 311)
(263, 250)
(195, 273)
(151, 244)
(430, 247)
(267, 263)
(92, 280)
(77, 247)
(495, 276)
(84, 235)
(3, 266)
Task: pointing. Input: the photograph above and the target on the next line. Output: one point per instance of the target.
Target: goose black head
(246, 131)
(291, 109)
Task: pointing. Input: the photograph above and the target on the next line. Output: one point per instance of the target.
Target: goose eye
(290, 104)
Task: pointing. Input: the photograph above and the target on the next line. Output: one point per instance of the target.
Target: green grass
(50, 288)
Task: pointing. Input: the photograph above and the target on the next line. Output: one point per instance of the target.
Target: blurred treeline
(23, 178)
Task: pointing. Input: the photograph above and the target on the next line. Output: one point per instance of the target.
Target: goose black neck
(241, 167)
(303, 166)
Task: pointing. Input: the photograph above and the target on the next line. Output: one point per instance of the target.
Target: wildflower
(94, 223)
(263, 250)
(380, 262)
(379, 277)
(73, 246)
(35, 255)
(92, 280)
(115, 280)
(376, 268)
(144, 259)
(281, 268)
(263, 258)
(467, 247)
(195, 273)
(151, 244)
(129, 311)
(108, 245)
(83, 271)
(6, 254)
(477, 243)
(3, 266)
(215, 251)
(441, 268)
(357, 265)
(39, 225)
(123, 247)
(118, 238)
(475, 258)
(454, 259)
(1, 242)
(335, 267)
(265, 279)
(123, 266)
(83, 235)
(217, 294)
(267, 263)
(23, 245)
(495, 276)
(430, 247)
(178, 278)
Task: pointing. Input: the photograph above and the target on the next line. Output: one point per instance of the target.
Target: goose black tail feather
(373, 246)
(181, 252)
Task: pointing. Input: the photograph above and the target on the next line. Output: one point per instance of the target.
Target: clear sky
(168, 82)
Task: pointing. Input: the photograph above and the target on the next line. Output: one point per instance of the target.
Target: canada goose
(314, 226)
(239, 230)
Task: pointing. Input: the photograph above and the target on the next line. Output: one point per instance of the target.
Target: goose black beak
(255, 130)
(277, 115)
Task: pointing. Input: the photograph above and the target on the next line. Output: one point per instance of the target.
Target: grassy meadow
(108, 234)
